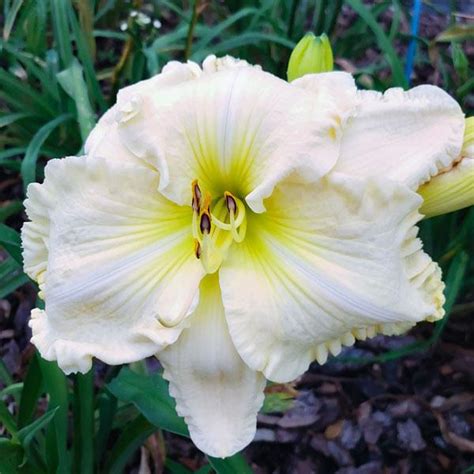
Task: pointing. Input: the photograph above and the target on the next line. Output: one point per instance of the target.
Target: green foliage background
(62, 62)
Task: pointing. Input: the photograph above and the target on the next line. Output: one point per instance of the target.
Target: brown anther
(205, 223)
(197, 248)
(230, 202)
(196, 191)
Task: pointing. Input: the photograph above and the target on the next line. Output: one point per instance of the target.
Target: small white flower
(239, 227)
(142, 19)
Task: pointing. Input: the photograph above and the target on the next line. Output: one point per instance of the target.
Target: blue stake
(414, 27)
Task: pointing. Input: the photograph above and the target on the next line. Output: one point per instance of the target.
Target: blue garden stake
(415, 23)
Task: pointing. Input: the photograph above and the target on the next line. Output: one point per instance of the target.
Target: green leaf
(72, 81)
(55, 383)
(175, 468)
(277, 402)
(31, 392)
(460, 61)
(61, 30)
(457, 32)
(222, 26)
(206, 469)
(86, 18)
(132, 437)
(5, 154)
(11, 455)
(28, 433)
(149, 393)
(8, 119)
(454, 284)
(11, 240)
(35, 69)
(234, 464)
(245, 39)
(10, 208)
(23, 97)
(7, 420)
(5, 376)
(11, 277)
(28, 166)
(87, 62)
(10, 19)
(107, 404)
(382, 41)
(35, 26)
(14, 389)
(84, 422)
(106, 7)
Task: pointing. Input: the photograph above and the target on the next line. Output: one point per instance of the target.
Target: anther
(196, 191)
(230, 202)
(197, 248)
(205, 223)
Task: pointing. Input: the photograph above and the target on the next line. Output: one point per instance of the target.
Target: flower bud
(311, 55)
(453, 189)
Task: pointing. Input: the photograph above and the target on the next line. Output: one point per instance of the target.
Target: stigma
(216, 224)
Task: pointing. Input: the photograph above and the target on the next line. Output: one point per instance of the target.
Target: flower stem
(56, 435)
(84, 422)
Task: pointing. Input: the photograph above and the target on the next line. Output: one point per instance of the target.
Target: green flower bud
(452, 189)
(311, 55)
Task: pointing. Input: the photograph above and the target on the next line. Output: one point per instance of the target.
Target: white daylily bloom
(240, 227)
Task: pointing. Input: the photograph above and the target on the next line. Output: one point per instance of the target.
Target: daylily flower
(239, 227)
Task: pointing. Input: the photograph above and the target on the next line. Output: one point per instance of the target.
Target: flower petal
(103, 141)
(215, 392)
(327, 263)
(407, 136)
(238, 129)
(114, 260)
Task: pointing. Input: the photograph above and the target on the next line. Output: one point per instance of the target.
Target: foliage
(62, 64)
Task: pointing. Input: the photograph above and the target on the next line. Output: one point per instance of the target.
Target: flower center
(216, 224)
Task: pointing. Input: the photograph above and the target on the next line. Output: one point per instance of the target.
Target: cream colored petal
(336, 90)
(212, 64)
(238, 129)
(103, 141)
(406, 136)
(215, 392)
(114, 260)
(327, 263)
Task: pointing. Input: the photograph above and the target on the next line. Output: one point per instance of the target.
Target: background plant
(62, 63)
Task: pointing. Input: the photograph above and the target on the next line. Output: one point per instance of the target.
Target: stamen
(230, 202)
(205, 223)
(196, 193)
(197, 248)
